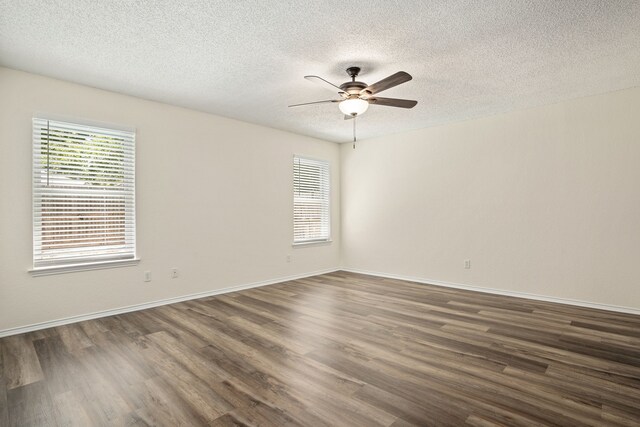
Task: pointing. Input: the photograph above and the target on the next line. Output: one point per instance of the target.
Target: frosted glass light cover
(353, 106)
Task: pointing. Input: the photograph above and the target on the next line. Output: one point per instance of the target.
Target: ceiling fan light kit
(353, 106)
(355, 96)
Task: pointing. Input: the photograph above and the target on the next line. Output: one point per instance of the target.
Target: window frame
(327, 207)
(96, 260)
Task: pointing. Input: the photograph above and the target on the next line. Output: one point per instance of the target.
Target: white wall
(214, 199)
(544, 201)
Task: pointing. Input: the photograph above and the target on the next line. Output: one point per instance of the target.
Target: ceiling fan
(356, 96)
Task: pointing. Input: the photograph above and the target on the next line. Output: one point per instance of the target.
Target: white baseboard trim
(616, 308)
(142, 306)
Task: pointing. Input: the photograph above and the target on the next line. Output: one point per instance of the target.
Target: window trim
(312, 243)
(71, 268)
(105, 263)
(320, 241)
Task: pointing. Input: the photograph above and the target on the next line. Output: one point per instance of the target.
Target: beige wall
(214, 199)
(544, 201)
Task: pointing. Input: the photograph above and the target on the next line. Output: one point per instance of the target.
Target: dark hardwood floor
(338, 349)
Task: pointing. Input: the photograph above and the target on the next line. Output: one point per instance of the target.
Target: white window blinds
(310, 200)
(83, 194)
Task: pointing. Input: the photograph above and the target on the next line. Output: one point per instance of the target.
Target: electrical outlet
(467, 263)
(147, 276)
(288, 258)
(174, 273)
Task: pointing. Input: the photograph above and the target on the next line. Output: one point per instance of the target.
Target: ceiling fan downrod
(353, 72)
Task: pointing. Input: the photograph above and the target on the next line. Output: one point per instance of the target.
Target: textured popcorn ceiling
(247, 59)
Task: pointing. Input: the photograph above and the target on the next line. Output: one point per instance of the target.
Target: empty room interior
(366, 213)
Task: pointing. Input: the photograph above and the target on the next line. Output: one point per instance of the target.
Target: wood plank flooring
(339, 349)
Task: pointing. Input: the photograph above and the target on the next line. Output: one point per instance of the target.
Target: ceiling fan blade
(324, 83)
(387, 83)
(316, 102)
(393, 102)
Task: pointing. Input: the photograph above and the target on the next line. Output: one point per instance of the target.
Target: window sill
(72, 268)
(312, 243)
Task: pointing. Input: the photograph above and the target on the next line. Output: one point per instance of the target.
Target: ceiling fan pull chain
(354, 132)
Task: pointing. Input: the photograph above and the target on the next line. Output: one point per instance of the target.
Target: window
(310, 200)
(83, 195)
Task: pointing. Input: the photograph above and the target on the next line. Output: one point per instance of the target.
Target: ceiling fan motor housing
(353, 88)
